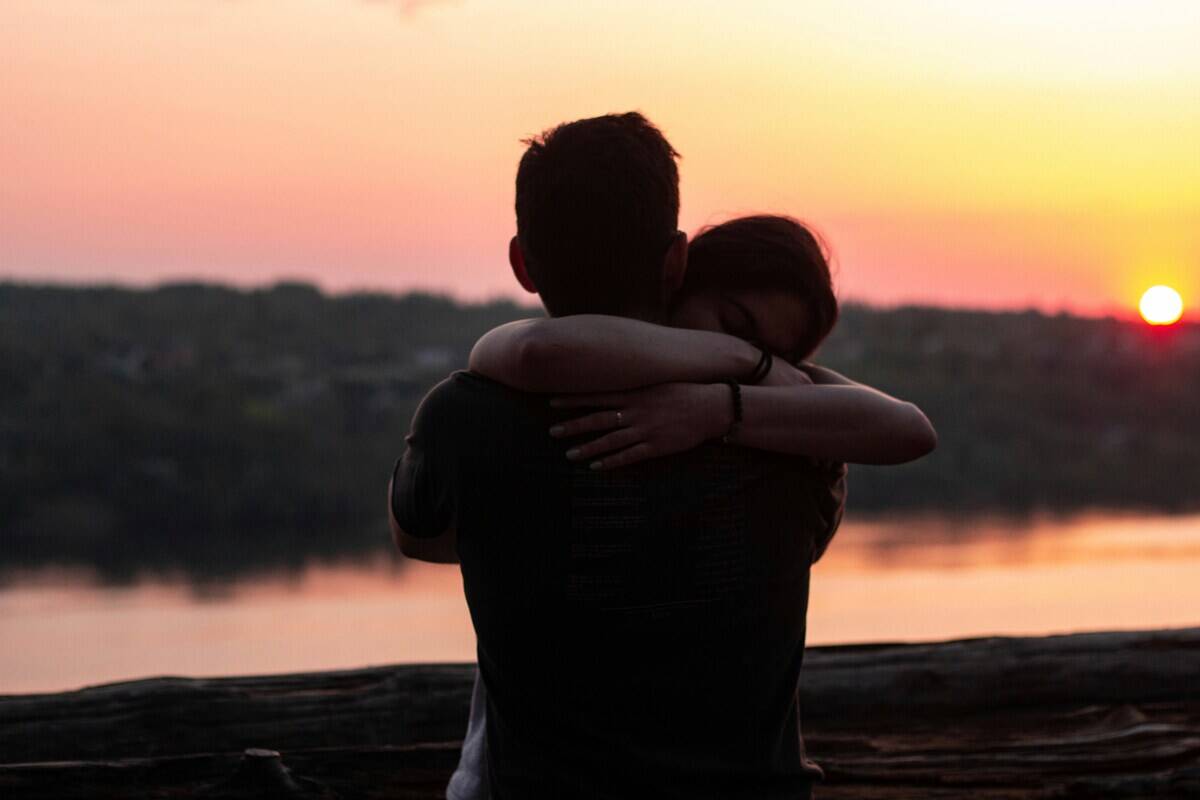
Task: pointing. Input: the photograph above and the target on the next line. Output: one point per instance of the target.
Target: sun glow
(1161, 305)
(1016, 154)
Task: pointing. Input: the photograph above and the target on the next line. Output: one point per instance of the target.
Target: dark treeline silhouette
(211, 430)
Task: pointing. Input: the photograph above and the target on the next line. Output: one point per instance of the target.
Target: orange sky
(1000, 154)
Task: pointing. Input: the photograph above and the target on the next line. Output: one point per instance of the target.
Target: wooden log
(1091, 715)
(980, 675)
(177, 716)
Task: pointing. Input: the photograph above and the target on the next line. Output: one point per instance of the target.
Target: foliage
(208, 429)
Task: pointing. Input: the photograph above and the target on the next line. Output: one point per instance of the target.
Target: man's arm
(441, 549)
(420, 494)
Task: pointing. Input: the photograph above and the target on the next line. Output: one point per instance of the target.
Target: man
(640, 630)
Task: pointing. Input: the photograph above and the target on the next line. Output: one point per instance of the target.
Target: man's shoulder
(463, 397)
(463, 387)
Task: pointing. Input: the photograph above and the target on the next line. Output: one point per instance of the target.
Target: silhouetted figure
(640, 631)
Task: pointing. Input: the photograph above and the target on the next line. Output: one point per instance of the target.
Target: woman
(761, 279)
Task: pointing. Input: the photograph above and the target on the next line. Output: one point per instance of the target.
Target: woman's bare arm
(846, 422)
(839, 422)
(595, 352)
(588, 353)
(824, 376)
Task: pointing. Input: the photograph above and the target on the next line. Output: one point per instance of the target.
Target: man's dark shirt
(640, 631)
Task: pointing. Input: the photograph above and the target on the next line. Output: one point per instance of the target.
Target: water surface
(909, 580)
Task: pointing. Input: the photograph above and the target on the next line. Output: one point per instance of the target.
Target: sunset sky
(1005, 154)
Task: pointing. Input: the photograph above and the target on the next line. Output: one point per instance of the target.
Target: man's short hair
(597, 207)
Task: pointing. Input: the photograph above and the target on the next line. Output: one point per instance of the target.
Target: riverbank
(1089, 715)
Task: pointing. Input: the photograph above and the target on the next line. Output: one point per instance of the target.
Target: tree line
(207, 429)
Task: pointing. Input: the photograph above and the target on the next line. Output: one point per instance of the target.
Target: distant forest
(207, 430)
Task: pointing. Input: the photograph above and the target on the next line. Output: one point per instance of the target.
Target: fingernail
(573, 453)
(556, 430)
(595, 465)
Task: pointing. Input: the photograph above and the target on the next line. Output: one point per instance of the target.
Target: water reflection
(911, 579)
(966, 542)
(210, 562)
(934, 578)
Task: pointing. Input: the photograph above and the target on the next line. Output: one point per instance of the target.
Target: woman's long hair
(767, 251)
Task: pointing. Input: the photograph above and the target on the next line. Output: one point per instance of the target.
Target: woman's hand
(645, 423)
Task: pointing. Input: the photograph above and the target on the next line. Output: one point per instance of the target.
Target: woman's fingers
(589, 400)
(605, 444)
(630, 455)
(598, 421)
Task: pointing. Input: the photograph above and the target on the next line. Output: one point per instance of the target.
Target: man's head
(597, 218)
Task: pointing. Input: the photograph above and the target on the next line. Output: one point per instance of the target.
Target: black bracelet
(762, 369)
(736, 394)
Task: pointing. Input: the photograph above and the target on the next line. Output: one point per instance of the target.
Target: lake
(914, 579)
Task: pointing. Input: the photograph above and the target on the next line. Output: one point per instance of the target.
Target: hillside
(208, 429)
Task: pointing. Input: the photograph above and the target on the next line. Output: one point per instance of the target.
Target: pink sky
(1023, 154)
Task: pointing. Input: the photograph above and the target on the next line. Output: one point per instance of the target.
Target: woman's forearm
(592, 352)
(835, 422)
(824, 376)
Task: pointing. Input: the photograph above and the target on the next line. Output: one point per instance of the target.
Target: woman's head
(764, 278)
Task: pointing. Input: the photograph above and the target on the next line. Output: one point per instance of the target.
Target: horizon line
(1113, 311)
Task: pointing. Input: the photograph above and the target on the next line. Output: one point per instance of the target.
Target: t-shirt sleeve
(422, 479)
(831, 501)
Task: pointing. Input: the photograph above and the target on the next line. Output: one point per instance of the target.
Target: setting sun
(1161, 305)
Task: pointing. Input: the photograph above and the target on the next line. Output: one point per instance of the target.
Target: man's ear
(516, 259)
(674, 265)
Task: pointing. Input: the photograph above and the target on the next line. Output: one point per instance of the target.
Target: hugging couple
(636, 486)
